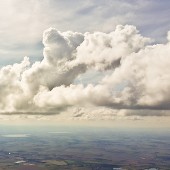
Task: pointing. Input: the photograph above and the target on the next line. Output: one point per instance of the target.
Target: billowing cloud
(104, 51)
(138, 76)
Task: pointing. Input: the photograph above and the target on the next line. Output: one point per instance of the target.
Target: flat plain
(84, 148)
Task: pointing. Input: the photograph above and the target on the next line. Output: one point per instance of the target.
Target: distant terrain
(67, 148)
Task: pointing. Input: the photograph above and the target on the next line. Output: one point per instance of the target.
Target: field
(52, 148)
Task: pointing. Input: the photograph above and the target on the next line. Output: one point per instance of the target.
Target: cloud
(115, 45)
(99, 51)
(10, 85)
(138, 76)
(146, 78)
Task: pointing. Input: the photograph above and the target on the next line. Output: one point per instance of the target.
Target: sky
(84, 60)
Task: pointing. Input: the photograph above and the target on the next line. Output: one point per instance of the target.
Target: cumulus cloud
(10, 84)
(104, 51)
(138, 76)
(146, 78)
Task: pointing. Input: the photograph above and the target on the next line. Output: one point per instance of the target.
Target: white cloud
(138, 75)
(146, 78)
(104, 51)
(10, 85)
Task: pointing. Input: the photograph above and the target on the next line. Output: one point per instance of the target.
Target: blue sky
(23, 22)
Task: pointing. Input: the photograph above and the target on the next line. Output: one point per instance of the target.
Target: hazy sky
(86, 59)
(23, 21)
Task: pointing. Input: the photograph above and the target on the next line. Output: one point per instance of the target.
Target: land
(83, 149)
